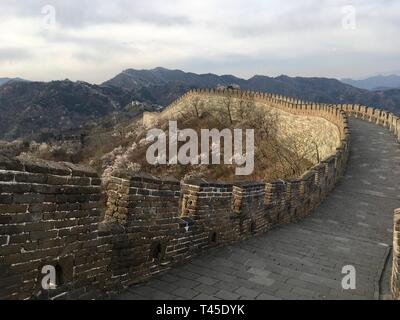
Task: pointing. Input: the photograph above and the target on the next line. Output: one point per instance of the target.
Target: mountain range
(376, 83)
(162, 86)
(34, 109)
(6, 80)
(39, 109)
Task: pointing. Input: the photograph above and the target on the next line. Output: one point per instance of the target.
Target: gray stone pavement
(305, 260)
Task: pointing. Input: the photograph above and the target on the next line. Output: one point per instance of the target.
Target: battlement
(291, 105)
(49, 215)
(188, 217)
(182, 218)
(378, 116)
(325, 125)
(104, 238)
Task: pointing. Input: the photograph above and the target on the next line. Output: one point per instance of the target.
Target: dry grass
(124, 148)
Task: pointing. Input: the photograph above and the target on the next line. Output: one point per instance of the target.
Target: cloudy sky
(93, 40)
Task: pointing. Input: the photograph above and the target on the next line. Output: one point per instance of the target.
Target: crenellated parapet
(199, 214)
(183, 219)
(49, 216)
(323, 125)
(104, 237)
(381, 117)
(294, 106)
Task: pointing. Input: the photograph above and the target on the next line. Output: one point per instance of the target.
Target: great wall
(102, 241)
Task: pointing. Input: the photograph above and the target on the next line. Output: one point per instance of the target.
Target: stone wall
(56, 214)
(378, 116)
(49, 214)
(163, 222)
(302, 130)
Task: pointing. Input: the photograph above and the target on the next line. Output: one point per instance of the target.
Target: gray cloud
(81, 13)
(243, 37)
(14, 54)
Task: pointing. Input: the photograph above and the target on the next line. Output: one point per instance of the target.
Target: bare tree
(228, 104)
(196, 104)
(293, 151)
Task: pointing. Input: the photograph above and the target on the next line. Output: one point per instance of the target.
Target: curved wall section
(185, 218)
(309, 131)
(101, 240)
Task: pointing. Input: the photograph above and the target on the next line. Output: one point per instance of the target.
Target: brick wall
(177, 220)
(159, 223)
(294, 117)
(56, 214)
(143, 221)
(49, 214)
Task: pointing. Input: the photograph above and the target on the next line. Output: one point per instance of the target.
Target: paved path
(304, 261)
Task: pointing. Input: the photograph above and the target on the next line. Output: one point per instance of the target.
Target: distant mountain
(34, 109)
(5, 80)
(42, 110)
(376, 83)
(131, 78)
(162, 86)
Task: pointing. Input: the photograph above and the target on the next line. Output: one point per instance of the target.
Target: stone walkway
(305, 260)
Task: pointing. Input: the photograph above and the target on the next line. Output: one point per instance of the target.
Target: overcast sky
(93, 40)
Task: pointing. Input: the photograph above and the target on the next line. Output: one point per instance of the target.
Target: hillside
(40, 110)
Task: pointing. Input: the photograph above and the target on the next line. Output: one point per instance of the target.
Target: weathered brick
(57, 180)
(19, 238)
(44, 188)
(6, 198)
(15, 188)
(4, 240)
(39, 235)
(30, 178)
(28, 198)
(13, 208)
(6, 176)
(79, 181)
(39, 226)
